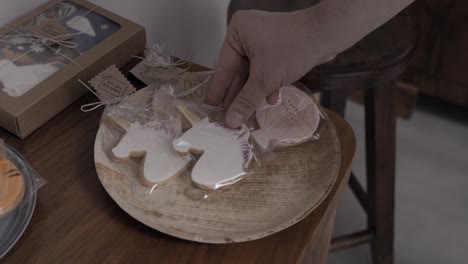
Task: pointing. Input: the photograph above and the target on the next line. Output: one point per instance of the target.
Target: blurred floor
(431, 187)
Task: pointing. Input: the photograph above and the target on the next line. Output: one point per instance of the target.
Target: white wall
(187, 26)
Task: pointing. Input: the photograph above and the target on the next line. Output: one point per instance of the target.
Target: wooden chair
(373, 65)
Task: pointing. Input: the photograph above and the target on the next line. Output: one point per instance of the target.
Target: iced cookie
(11, 184)
(81, 24)
(225, 153)
(293, 120)
(18, 80)
(152, 142)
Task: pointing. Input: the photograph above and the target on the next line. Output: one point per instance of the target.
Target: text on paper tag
(111, 83)
(51, 30)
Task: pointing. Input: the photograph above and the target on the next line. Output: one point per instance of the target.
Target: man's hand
(275, 49)
(264, 51)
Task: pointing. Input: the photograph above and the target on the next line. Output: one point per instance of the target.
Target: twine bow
(93, 106)
(62, 41)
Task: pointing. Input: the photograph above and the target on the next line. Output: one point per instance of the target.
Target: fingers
(229, 62)
(236, 84)
(247, 101)
(273, 98)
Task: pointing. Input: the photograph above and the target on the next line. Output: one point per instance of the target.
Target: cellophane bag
(294, 119)
(178, 136)
(19, 183)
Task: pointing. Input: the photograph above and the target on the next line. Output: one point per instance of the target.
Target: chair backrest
(269, 5)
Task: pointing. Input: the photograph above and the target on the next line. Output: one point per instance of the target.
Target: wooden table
(75, 221)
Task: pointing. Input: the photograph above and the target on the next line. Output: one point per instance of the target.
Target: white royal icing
(226, 153)
(153, 141)
(18, 80)
(82, 24)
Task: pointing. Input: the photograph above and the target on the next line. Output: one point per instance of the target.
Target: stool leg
(335, 101)
(380, 158)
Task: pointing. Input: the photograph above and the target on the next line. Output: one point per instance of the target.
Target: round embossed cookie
(293, 120)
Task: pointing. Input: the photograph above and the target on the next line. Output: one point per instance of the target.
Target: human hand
(273, 50)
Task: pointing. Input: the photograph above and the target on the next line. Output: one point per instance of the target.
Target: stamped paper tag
(111, 83)
(51, 30)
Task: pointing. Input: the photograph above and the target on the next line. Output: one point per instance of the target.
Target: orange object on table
(11, 184)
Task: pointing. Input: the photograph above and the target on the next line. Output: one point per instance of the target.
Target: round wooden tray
(289, 184)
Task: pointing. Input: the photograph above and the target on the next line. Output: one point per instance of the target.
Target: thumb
(246, 102)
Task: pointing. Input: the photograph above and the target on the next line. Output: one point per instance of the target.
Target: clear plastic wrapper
(18, 190)
(193, 137)
(159, 66)
(224, 155)
(175, 134)
(296, 118)
(18, 181)
(173, 137)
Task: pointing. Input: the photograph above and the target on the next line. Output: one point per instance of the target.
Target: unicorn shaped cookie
(152, 142)
(18, 80)
(225, 153)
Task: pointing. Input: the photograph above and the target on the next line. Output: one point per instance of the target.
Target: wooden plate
(289, 184)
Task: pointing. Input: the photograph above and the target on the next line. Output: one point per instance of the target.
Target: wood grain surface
(76, 221)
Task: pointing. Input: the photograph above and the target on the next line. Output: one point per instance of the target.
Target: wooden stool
(373, 64)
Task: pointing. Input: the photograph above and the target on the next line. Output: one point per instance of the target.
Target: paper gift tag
(51, 30)
(150, 75)
(138, 70)
(111, 83)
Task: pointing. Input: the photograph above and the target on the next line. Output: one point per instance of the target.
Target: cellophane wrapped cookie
(176, 134)
(147, 123)
(223, 155)
(295, 119)
(174, 137)
(18, 184)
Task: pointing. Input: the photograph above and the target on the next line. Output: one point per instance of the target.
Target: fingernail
(235, 119)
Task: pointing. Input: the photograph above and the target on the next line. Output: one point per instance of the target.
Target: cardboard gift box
(44, 53)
